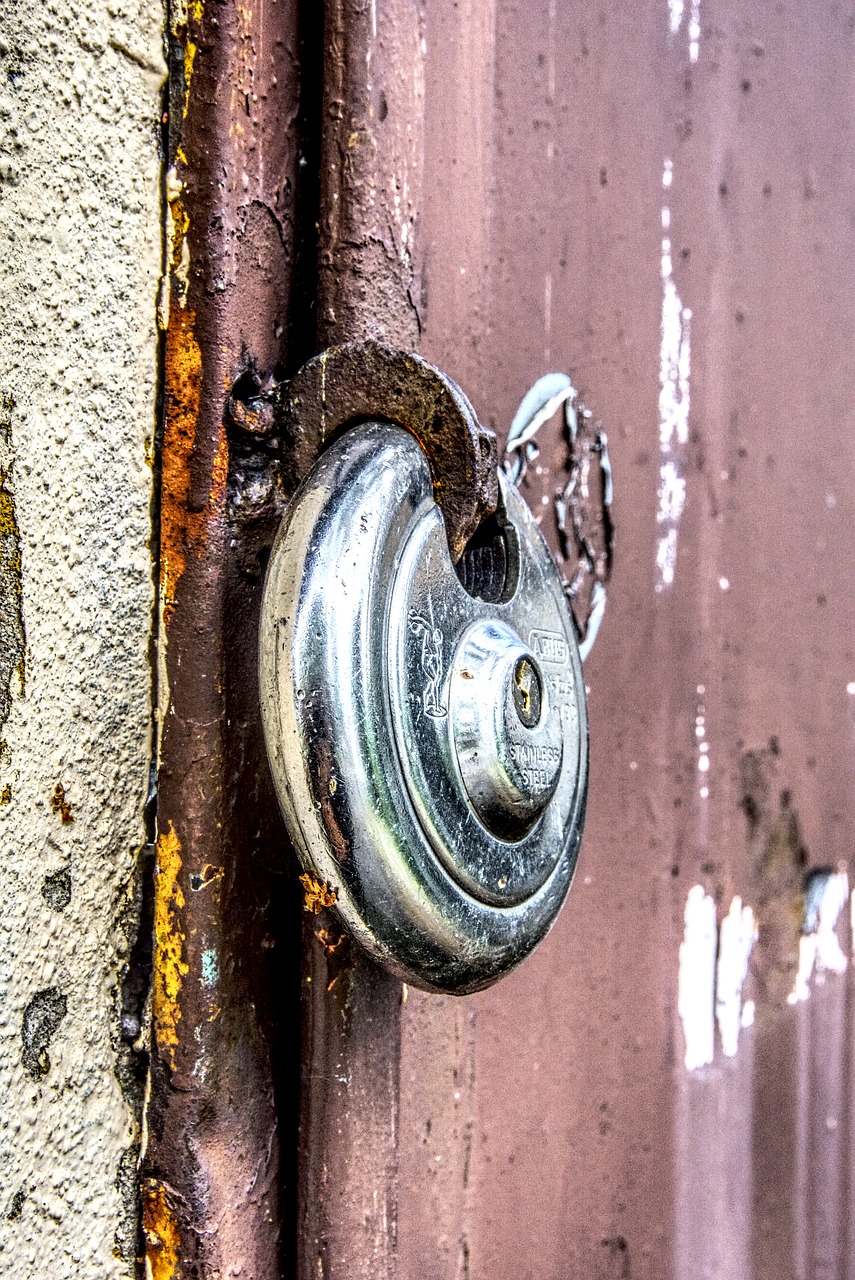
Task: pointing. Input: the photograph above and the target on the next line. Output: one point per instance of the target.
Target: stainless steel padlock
(426, 725)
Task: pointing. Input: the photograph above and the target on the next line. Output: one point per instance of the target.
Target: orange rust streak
(162, 1239)
(318, 894)
(184, 532)
(169, 964)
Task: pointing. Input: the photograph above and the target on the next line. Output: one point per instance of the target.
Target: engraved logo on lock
(431, 663)
(549, 646)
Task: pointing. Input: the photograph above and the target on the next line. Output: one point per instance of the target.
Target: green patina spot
(210, 969)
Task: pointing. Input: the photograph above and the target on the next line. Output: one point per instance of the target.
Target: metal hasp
(426, 724)
(361, 381)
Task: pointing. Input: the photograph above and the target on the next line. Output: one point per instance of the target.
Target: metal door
(657, 199)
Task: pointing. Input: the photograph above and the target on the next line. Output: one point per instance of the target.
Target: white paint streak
(551, 54)
(713, 969)
(703, 744)
(737, 937)
(675, 15)
(820, 951)
(696, 986)
(695, 31)
(674, 369)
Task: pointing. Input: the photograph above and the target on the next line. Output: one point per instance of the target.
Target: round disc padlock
(426, 725)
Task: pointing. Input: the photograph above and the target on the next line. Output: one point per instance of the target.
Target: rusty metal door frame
(246, 135)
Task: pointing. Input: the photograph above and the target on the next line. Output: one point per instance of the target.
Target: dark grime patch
(42, 1017)
(56, 889)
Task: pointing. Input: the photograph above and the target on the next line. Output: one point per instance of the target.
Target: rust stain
(9, 526)
(190, 50)
(179, 223)
(169, 965)
(59, 804)
(319, 894)
(208, 874)
(12, 636)
(337, 952)
(330, 940)
(184, 531)
(162, 1239)
(184, 15)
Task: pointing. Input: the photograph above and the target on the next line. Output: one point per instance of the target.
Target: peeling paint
(178, 247)
(210, 968)
(820, 952)
(169, 964)
(779, 946)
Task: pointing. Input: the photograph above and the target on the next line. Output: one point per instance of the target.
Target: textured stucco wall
(80, 84)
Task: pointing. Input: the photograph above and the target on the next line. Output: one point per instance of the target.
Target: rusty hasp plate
(362, 381)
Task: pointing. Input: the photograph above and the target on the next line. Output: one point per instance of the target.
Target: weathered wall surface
(80, 92)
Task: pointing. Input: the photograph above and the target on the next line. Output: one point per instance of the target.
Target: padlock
(426, 723)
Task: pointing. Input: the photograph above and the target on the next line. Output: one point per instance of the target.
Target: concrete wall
(80, 87)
